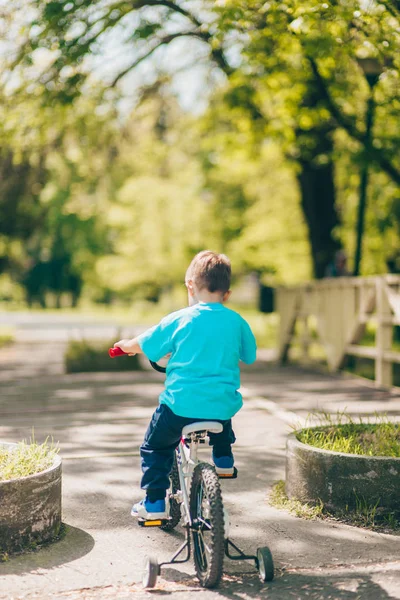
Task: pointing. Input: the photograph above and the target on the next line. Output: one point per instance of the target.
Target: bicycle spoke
(205, 523)
(200, 502)
(203, 507)
(207, 547)
(202, 545)
(201, 536)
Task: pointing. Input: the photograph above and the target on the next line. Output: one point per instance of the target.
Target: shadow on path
(100, 420)
(74, 545)
(299, 586)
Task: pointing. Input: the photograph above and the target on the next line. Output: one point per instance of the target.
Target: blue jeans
(162, 437)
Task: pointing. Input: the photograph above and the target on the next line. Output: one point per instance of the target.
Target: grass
(364, 515)
(279, 499)
(26, 459)
(6, 336)
(82, 356)
(345, 435)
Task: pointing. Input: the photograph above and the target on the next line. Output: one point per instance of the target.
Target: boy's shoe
(224, 466)
(149, 510)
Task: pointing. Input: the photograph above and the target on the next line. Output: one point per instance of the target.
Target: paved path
(99, 420)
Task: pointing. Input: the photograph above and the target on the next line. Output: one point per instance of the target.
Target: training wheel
(265, 564)
(150, 572)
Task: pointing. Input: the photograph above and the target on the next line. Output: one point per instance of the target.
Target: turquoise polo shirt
(206, 342)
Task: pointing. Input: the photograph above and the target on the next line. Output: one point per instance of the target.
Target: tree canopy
(271, 173)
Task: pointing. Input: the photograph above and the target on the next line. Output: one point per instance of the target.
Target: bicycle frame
(186, 455)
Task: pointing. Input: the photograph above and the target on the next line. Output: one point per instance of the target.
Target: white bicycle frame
(186, 457)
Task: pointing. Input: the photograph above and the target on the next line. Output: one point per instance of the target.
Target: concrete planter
(30, 508)
(341, 481)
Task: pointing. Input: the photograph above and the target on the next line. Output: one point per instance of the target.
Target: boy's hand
(128, 346)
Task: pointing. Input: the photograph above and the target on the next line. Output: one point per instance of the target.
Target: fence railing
(341, 309)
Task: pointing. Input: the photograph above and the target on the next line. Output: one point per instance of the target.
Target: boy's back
(206, 342)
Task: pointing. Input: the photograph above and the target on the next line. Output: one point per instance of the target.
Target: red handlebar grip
(114, 352)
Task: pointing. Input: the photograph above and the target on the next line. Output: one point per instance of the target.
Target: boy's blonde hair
(210, 270)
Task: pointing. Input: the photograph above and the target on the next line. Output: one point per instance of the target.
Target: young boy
(206, 341)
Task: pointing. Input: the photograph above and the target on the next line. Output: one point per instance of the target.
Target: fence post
(287, 306)
(384, 333)
(305, 339)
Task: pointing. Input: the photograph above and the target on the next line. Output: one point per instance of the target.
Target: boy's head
(208, 274)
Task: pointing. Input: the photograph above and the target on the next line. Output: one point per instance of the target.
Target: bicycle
(195, 498)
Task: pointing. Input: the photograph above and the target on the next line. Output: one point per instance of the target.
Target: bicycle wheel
(265, 564)
(174, 506)
(207, 513)
(150, 572)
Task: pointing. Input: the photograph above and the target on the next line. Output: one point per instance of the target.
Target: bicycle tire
(150, 572)
(265, 564)
(207, 511)
(174, 506)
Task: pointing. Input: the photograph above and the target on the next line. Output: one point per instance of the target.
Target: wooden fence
(341, 309)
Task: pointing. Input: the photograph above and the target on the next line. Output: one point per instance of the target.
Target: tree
(156, 217)
(262, 227)
(298, 68)
(21, 213)
(52, 194)
(304, 71)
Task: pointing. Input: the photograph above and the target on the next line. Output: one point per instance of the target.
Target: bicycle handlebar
(114, 352)
(157, 367)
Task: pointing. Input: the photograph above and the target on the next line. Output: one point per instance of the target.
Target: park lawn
(6, 336)
(264, 326)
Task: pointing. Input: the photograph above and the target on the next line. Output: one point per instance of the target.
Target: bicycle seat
(212, 426)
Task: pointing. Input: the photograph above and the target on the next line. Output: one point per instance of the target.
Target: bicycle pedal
(153, 523)
(228, 475)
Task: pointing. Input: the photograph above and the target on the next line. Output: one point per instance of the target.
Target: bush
(82, 356)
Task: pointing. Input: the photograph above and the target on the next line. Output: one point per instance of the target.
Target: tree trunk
(318, 204)
(316, 179)
(364, 176)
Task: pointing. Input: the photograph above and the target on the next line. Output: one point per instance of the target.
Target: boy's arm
(248, 347)
(129, 346)
(155, 343)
